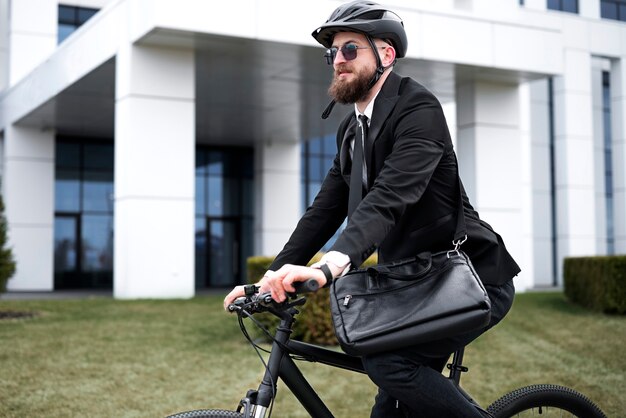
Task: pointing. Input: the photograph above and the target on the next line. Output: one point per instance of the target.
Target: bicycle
(544, 399)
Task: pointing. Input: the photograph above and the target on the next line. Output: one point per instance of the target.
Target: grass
(105, 358)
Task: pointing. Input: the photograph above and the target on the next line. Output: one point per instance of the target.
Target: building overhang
(259, 76)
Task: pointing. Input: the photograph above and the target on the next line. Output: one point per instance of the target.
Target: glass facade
(317, 157)
(83, 224)
(224, 215)
(563, 5)
(71, 18)
(83, 221)
(613, 9)
(608, 162)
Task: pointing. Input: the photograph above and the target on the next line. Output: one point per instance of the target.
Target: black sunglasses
(348, 51)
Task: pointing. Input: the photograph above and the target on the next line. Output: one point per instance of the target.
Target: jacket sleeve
(420, 137)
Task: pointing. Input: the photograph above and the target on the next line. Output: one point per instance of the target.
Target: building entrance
(224, 196)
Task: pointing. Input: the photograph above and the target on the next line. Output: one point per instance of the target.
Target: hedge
(7, 262)
(313, 324)
(597, 283)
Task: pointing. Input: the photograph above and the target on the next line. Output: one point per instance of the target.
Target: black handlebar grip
(308, 286)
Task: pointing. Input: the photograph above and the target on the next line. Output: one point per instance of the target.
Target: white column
(589, 8)
(32, 35)
(491, 162)
(154, 173)
(618, 120)
(28, 191)
(278, 196)
(538, 227)
(575, 189)
(598, 66)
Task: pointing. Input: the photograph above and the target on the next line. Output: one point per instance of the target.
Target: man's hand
(279, 282)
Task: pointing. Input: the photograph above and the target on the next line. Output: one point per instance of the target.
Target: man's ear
(388, 56)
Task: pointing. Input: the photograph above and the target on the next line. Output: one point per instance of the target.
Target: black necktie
(356, 174)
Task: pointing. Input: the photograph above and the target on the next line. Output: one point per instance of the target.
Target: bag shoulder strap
(460, 232)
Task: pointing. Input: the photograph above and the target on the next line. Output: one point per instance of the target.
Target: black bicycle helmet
(365, 17)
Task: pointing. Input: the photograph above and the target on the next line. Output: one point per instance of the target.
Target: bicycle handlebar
(308, 286)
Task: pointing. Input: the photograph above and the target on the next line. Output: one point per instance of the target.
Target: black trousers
(409, 380)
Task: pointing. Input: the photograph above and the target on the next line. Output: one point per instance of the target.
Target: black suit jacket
(411, 205)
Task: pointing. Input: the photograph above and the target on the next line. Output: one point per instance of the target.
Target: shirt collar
(369, 109)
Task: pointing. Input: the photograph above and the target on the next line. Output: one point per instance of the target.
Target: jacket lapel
(344, 155)
(384, 104)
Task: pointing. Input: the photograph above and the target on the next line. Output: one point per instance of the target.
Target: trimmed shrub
(314, 324)
(597, 283)
(7, 264)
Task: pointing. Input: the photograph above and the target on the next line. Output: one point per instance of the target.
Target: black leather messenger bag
(411, 301)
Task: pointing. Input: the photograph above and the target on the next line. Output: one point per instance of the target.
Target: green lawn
(105, 358)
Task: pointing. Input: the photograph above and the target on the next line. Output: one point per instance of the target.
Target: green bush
(314, 324)
(7, 264)
(598, 283)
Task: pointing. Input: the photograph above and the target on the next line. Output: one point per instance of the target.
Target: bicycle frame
(281, 365)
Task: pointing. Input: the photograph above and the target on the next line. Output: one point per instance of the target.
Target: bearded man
(395, 177)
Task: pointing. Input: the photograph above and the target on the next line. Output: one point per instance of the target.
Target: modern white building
(153, 148)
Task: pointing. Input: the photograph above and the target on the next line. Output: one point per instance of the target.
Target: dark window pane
(330, 145)
(224, 259)
(98, 191)
(201, 254)
(65, 30)
(67, 191)
(247, 171)
(608, 10)
(622, 12)
(315, 146)
(85, 14)
(97, 243)
(200, 162)
(65, 244)
(216, 163)
(247, 206)
(67, 14)
(200, 195)
(554, 4)
(314, 169)
(98, 157)
(570, 6)
(216, 199)
(67, 155)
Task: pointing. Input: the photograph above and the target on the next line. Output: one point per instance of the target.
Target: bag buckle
(457, 246)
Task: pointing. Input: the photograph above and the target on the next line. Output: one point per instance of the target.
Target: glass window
(97, 243)
(98, 191)
(71, 18)
(84, 214)
(224, 215)
(67, 191)
(65, 233)
(563, 5)
(608, 164)
(613, 9)
(98, 157)
(317, 156)
(67, 14)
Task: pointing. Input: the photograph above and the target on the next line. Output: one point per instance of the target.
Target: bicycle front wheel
(545, 400)
(208, 413)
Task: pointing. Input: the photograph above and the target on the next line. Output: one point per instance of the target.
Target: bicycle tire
(546, 400)
(208, 413)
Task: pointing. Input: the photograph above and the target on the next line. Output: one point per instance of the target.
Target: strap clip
(457, 246)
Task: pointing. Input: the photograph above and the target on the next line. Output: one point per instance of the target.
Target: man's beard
(348, 92)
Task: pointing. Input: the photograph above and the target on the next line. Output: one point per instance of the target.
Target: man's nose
(339, 58)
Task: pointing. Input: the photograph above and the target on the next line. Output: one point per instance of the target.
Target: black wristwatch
(329, 275)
